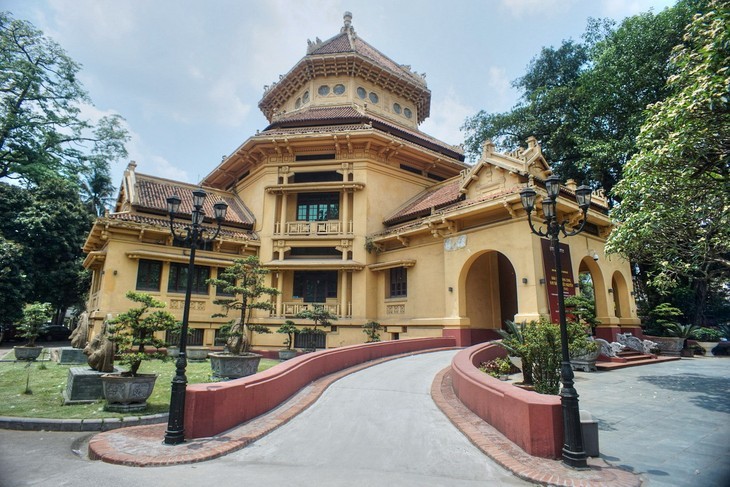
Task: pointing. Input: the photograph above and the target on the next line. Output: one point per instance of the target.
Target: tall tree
(585, 101)
(548, 109)
(42, 133)
(97, 190)
(628, 72)
(14, 284)
(674, 214)
(55, 226)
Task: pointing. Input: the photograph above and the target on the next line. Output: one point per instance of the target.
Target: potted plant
(133, 334)
(321, 316)
(244, 282)
(290, 330)
(684, 332)
(707, 338)
(584, 351)
(34, 316)
(372, 330)
(663, 320)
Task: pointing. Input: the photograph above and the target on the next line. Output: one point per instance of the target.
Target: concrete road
(375, 427)
(669, 422)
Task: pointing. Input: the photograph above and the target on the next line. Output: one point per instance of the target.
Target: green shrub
(34, 316)
(707, 335)
(543, 340)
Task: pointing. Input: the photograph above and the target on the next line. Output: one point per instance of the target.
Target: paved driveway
(376, 427)
(669, 421)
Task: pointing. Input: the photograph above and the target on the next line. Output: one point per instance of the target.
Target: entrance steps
(631, 359)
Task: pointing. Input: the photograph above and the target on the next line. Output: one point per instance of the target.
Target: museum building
(351, 207)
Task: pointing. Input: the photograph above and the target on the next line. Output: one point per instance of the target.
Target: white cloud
(229, 109)
(501, 93)
(447, 116)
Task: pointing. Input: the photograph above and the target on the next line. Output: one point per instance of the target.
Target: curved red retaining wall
(216, 407)
(533, 421)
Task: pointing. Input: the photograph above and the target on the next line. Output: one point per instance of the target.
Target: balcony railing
(328, 227)
(291, 309)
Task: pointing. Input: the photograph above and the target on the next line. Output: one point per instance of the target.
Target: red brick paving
(510, 456)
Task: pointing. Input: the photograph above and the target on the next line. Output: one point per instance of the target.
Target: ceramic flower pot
(232, 366)
(127, 393)
(27, 353)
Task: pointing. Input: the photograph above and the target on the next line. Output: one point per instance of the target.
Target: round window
(373, 97)
(339, 89)
(396, 108)
(323, 90)
(407, 112)
(305, 97)
(361, 92)
(298, 103)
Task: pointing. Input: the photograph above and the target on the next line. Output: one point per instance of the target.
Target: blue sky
(188, 75)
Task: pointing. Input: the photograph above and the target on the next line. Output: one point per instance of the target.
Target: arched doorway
(490, 291)
(620, 292)
(589, 267)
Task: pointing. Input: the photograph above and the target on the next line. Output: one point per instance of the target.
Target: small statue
(100, 350)
(80, 335)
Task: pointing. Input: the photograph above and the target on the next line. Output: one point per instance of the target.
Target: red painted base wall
(213, 408)
(533, 421)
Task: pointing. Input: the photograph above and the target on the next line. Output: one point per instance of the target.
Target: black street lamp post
(574, 454)
(193, 237)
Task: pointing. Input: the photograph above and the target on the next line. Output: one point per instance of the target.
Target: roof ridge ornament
(348, 28)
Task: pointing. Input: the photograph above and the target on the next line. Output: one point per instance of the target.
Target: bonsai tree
(320, 316)
(34, 316)
(134, 330)
(289, 329)
(583, 310)
(244, 281)
(372, 330)
(662, 318)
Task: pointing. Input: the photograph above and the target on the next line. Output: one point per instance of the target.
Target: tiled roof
(319, 114)
(238, 234)
(343, 114)
(438, 196)
(152, 193)
(341, 44)
(346, 54)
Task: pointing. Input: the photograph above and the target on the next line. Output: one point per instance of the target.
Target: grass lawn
(46, 381)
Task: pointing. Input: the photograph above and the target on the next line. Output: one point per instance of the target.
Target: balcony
(290, 309)
(314, 228)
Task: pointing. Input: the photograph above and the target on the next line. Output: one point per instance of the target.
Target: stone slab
(68, 355)
(83, 385)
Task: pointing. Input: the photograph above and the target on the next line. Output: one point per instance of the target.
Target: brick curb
(541, 471)
(98, 424)
(142, 446)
